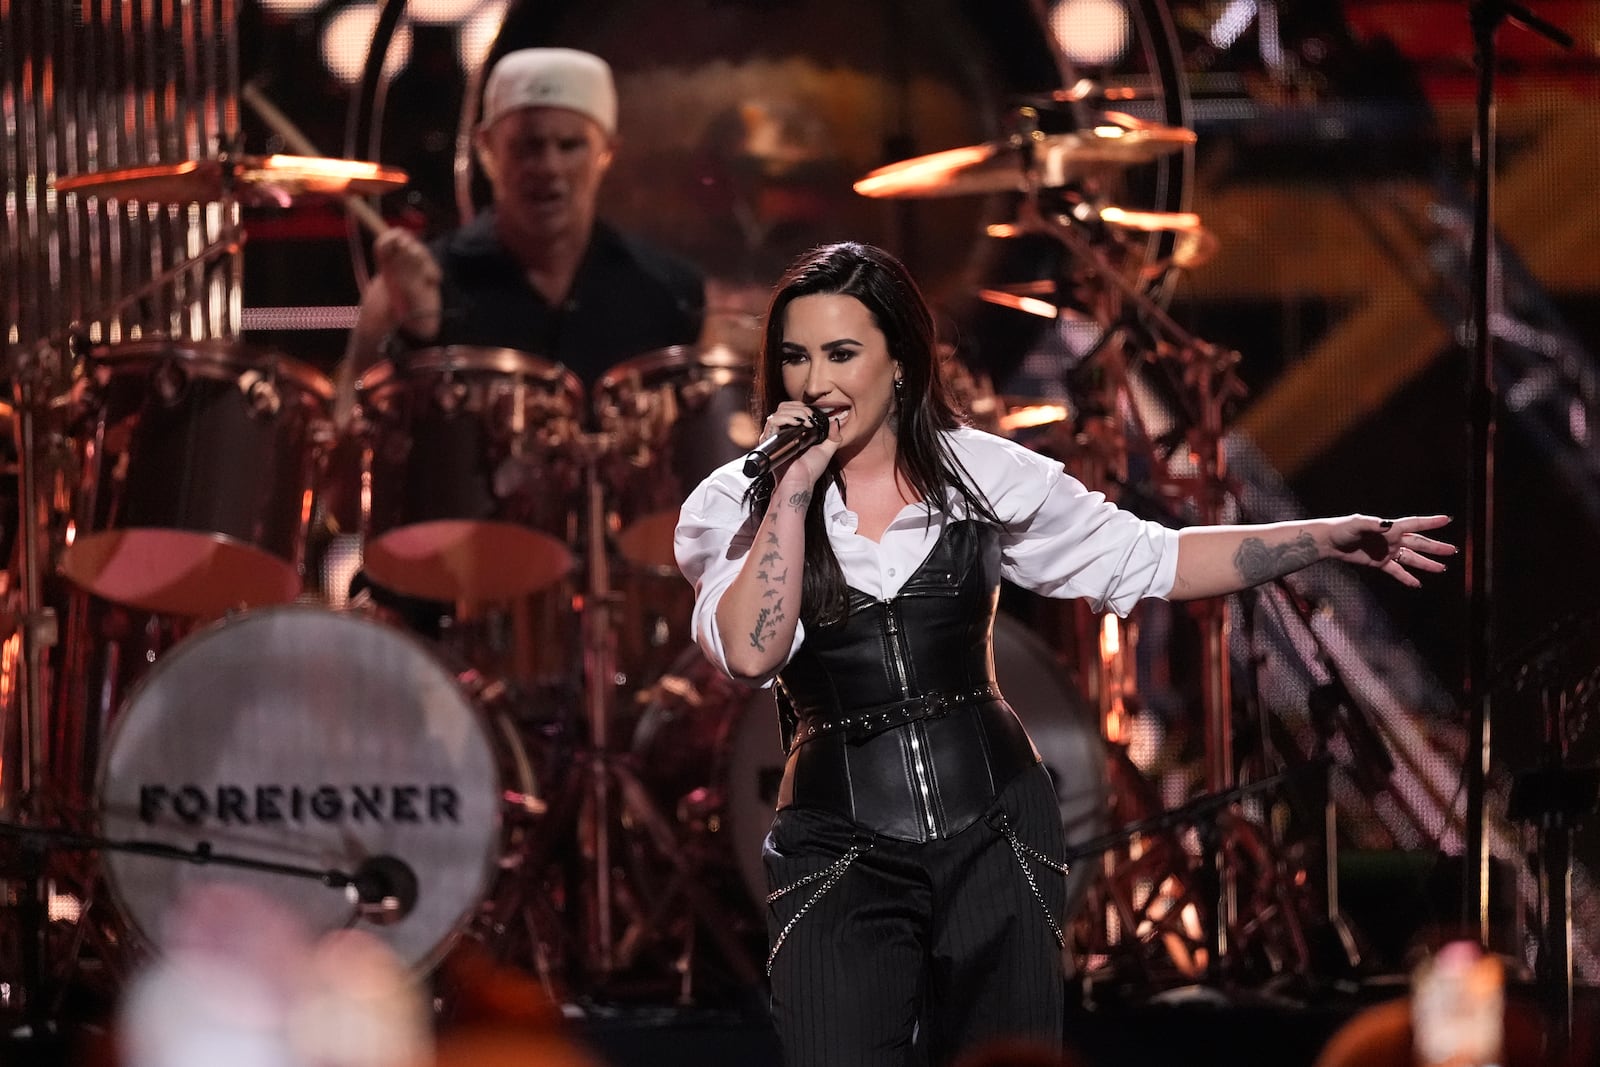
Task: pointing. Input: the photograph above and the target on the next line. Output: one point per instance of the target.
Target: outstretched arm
(1216, 560)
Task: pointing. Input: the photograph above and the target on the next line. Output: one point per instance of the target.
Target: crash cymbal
(1195, 245)
(1035, 298)
(252, 180)
(998, 167)
(1085, 89)
(1137, 221)
(1027, 413)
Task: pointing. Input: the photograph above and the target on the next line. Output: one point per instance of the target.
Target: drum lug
(323, 436)
(261, 393)
(169, 380)
(450, 395)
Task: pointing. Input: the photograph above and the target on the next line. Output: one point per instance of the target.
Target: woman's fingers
(1419, 543)
(788, 413)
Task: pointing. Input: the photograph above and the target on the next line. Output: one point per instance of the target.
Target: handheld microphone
(384, 889)
(786, 444)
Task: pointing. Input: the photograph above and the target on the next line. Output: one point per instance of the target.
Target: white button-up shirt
(1058, 538)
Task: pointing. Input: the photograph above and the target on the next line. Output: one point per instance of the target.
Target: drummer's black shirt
(627, 298)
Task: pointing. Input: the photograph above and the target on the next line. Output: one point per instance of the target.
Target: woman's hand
(1395, 546)
(803, 471)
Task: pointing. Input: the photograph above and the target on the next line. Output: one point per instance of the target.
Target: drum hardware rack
(35, 375)
(1332, 709)
(1557, 796)
(1202, 382)
(1221, 828)
(607, 789)
(1211, 384)
(38, 374)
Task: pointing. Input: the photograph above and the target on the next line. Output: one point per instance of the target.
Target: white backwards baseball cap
(551, 77)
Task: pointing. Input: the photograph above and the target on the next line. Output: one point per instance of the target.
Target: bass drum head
(304, 737)
(710, 722)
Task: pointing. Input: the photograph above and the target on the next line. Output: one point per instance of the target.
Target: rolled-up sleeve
(1063, 540)
(713, 536)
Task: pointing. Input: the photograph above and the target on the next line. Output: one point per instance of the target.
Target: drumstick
(285, 128)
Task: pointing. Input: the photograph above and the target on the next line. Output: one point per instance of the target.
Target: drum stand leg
(610, 779)
(37, 632)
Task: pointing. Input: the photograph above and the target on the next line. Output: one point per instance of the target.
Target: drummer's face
(545, 165)
(835, 357)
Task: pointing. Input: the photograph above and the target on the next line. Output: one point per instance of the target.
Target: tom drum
(197, 463)
(469, 472)
(673, 416)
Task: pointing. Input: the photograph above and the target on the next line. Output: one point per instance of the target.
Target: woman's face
(834, 357)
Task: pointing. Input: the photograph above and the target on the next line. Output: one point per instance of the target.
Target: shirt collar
(838, 515)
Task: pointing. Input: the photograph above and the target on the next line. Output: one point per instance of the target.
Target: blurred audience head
(238, 980)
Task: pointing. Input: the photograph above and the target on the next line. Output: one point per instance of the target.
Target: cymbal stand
(1485, 17)
(1556, 798)
(1213, 815)
(1210, 383)
(611, 785)
(35, 375)
(36, 379)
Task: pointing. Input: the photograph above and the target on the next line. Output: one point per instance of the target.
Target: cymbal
(251, 180)
(1035, 298)
(1085, 89)
(997, 167)
(1137, 221)
(1195, 245)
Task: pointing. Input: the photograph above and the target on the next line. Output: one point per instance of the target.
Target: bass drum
(701, 722)
(316, 739)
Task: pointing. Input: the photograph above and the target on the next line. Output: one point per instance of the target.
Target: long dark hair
(925, 409)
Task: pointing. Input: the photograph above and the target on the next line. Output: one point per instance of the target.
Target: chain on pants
(874, 937)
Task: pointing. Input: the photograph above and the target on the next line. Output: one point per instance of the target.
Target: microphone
(384, 889)
(786, 444)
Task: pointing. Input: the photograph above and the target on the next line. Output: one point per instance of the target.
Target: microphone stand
(1486, 17)
(37, 839)
(1196, 810)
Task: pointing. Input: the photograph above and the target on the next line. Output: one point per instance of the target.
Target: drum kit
(194, 724)
(202, 718)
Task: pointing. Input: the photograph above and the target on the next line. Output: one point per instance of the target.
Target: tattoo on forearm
(766, 628)
(1256, 561)
(769, 557)
(801, 500)
(768, 618)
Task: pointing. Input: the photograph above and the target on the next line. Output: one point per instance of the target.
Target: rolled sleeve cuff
(1159, 545)
(708, 635)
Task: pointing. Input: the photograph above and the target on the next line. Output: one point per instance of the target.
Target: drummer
(537, 270)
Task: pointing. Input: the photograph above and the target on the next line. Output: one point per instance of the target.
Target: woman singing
(914, 862)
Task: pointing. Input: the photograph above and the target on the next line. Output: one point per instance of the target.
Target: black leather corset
(899, 723)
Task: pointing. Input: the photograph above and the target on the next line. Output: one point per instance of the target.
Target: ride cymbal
(251, 180)
(1001, 166)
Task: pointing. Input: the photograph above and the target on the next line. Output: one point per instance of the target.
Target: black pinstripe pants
(949, 940)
